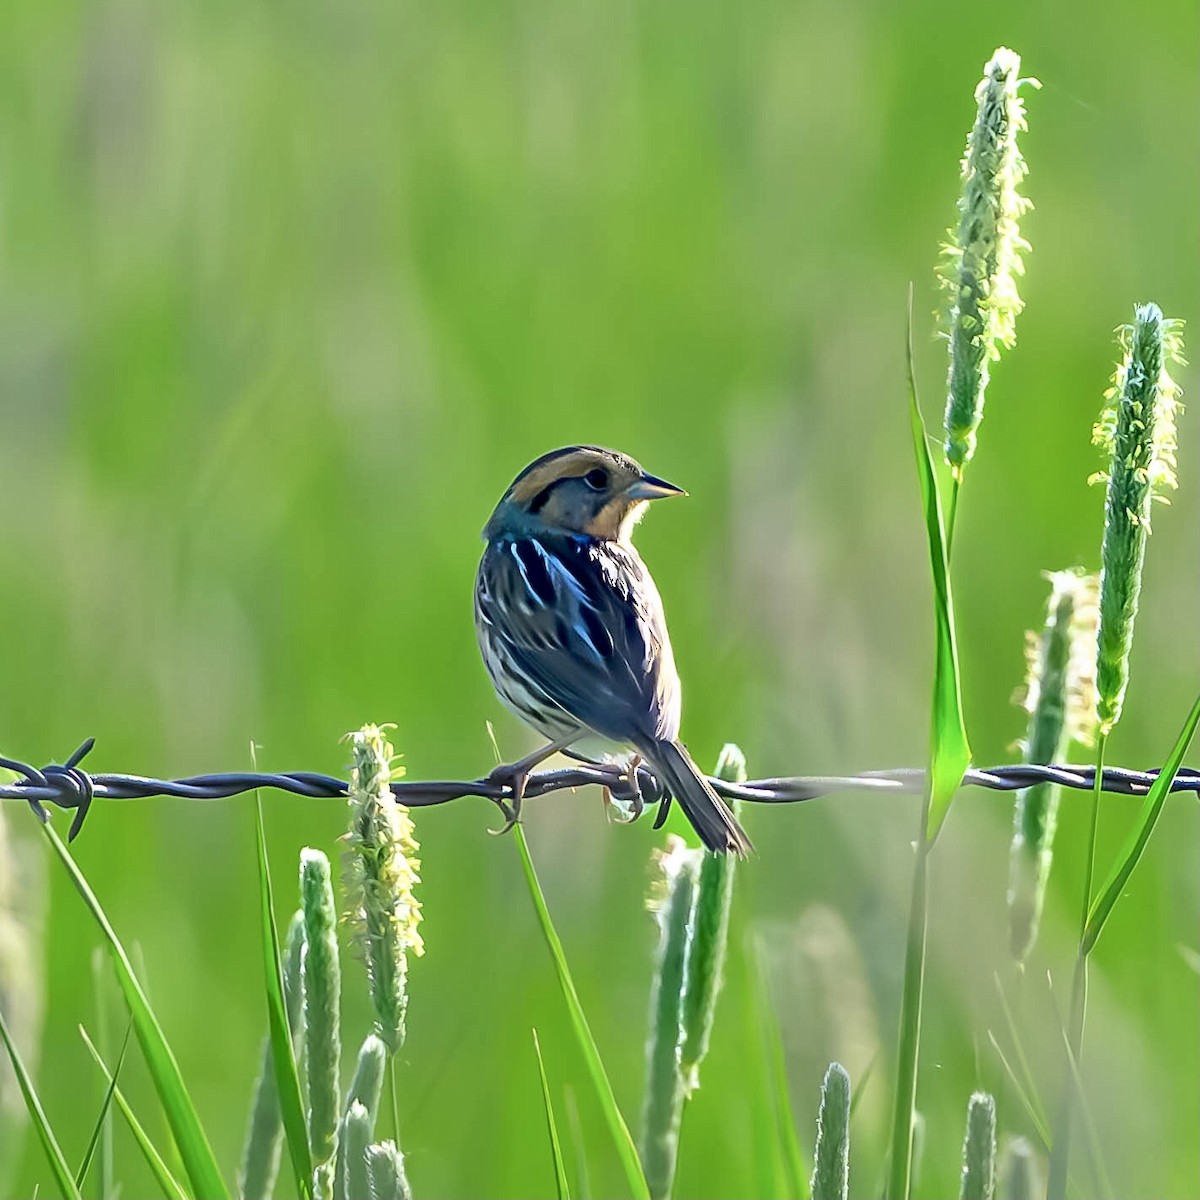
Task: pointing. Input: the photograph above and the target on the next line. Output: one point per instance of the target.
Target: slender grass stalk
(104, 1118)
(37, 1115)
(949, 756)
(1137, 429)
(831, 1161)
(283, 1055)
(322, 988)
(1135, 845)
(264, 1136)
(952, 513)
(979, 1149)
(904, 1105)
(673, 903)
(1060, 697)
(189, 1135)
(562, 1188)
(626, 1150)
(385, 1165)
(706, 951)
(170, 1187)
(104, 1181)
(983, 255)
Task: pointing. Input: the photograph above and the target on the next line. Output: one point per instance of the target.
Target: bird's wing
(582, 620)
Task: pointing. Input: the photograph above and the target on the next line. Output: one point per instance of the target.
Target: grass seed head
(982, 258)
(1137, 431)
(382, 872)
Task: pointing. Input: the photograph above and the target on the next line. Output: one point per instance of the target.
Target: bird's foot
(512, 777)
(626, 795)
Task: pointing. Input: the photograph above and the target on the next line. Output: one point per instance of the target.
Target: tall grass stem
(908, 1050)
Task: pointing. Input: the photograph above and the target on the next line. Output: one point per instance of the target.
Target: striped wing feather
(580, 622)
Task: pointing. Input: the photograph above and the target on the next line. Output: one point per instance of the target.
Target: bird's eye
(596, 479)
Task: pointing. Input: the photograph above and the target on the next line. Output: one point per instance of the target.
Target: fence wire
(67, 786)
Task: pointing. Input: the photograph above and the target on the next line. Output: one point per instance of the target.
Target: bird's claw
(512, 780)
(627, 790)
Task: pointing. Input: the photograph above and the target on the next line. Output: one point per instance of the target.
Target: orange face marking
(567, 465)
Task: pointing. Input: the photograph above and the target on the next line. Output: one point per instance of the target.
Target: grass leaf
(949, 753)
(105, 1109)
(197, 1155)
(37, 1115)
(562, 1186)
(171, 1187)
(291, 1106)
(1135, 844)
(626, 1150)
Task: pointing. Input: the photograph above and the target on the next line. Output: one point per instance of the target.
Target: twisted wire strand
(68, 786)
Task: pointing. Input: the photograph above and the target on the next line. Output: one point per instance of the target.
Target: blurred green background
(288, 294)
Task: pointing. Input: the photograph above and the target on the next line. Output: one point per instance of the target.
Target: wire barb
(68, 786)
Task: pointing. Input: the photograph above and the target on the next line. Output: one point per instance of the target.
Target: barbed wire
(69, 787)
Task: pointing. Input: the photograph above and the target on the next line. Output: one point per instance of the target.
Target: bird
(572, 631)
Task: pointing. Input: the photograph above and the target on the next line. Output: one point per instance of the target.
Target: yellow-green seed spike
(1060, 697)
(983, 254)
(1137, 429)
(381, 874)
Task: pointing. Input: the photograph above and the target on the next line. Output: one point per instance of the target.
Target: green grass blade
(105, 1110)
(562, 1186)
(1027, 1082)
(171, 1187)
(291, 1106)
(626, 1150)
(37, 1115)
(1028, 1103)
(949, 753)
(1135, 845)
(105, 1183)
(197, 1155)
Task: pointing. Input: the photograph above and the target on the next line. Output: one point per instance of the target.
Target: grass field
(288, 294)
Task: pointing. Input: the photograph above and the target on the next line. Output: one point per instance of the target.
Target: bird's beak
(650, 487)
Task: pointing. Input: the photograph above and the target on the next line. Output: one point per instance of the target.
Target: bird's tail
(710, 816)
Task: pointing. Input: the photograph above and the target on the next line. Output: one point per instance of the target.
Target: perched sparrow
(573, 633)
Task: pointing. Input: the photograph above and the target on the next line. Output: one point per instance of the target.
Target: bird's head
(579, 490)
